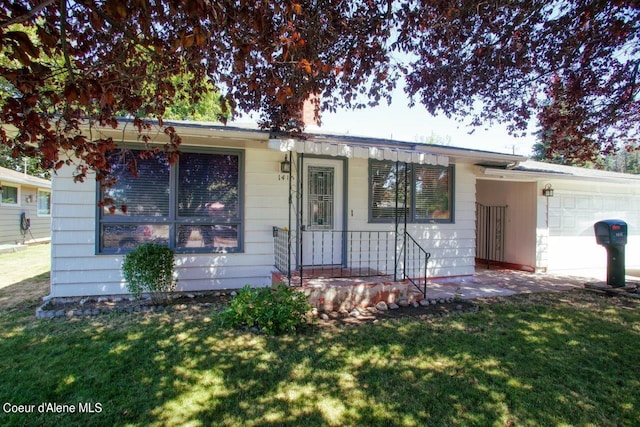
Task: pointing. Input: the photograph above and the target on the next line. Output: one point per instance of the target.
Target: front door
(322, 212)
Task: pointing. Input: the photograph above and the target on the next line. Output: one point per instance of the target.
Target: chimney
(309, 117)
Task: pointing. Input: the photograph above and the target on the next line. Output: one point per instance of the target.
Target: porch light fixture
(285, 165)
(547, 191)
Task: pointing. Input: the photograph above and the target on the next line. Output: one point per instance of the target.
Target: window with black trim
(424, 193)
(192, 206)
(10, 195)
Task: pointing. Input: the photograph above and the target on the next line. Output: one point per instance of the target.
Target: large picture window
(424, 193)
(192, 206)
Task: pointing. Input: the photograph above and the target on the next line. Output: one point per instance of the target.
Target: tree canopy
(69, 64)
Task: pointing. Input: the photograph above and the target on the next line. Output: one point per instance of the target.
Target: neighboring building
(556, 234)
(25, 208)
(231, 210)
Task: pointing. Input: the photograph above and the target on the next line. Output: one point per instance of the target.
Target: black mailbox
(612, 234)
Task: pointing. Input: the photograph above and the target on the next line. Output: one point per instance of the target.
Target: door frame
(301, 188)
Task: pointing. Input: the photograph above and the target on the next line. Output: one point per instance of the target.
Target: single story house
(243, 203)
(25, 208)
(553, 230)
(242, 206)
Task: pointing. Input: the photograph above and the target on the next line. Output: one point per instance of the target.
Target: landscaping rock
(382, 306)
(403, 302)
(424, 302)
(393, 306)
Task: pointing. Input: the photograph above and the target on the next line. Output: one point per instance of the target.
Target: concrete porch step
(347, 293)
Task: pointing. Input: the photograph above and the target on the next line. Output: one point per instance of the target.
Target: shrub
(149, 269)
(275, 311)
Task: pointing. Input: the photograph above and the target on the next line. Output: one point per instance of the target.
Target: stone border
(94, 305)
(382, 307)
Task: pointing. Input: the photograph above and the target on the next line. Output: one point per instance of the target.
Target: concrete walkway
(335, 294)
(502, 282)
(7, 249)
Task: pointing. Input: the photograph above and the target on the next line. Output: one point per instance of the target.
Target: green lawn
(24, 264)
(540, 360)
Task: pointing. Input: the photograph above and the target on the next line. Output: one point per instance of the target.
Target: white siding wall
(77, 270)
(575, 207)
(452, 246)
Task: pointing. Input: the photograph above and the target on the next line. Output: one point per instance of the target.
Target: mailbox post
(612, 234)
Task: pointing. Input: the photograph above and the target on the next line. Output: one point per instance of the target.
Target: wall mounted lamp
(547, 191)
(29, 198)
(285, 165)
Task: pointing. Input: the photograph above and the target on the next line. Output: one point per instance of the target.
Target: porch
(351, 268)
(335, 294)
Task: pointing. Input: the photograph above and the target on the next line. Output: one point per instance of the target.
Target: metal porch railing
(343, 254)
(415, 263)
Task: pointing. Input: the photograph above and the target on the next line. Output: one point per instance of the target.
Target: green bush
(275, 311)
(149, 269)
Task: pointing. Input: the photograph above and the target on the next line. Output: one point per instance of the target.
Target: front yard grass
(530, 360)
(24, 276)
(24, 264)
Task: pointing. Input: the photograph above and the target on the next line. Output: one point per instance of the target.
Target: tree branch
(63, 38)
(27, 16)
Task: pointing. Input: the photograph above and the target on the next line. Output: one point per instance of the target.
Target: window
(44, 203)
(192, 206)
(10, 195)
(424, 193)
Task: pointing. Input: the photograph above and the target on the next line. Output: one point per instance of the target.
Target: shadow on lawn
(26, 293)
(542, 365)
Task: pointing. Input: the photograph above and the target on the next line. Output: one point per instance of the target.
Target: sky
(399, 122)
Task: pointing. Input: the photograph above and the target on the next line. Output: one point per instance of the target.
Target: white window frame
(38, 196)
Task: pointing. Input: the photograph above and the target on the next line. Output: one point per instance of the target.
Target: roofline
(540, 175)
(457, 152)
(30, 180)
(198, 129)
(218, 130)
